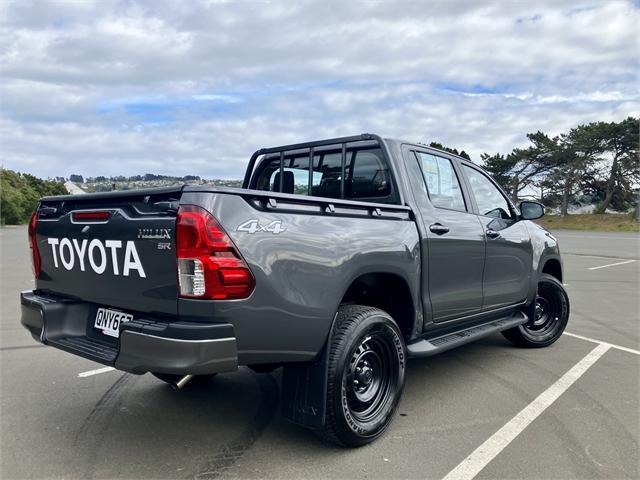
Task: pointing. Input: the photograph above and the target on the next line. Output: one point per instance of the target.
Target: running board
(425, 347)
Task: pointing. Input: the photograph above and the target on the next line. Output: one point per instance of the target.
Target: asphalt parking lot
(569, 411)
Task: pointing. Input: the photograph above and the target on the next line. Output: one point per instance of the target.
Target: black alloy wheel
(371, 375)
(548, 316)
(365, 379)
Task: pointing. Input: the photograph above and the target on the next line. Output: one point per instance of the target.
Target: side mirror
(531, 210)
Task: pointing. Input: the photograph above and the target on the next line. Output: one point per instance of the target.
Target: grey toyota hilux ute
(337, 260)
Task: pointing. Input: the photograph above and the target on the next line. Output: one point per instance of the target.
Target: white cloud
(194, 87)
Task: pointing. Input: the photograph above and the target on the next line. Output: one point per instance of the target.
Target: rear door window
(442, 182)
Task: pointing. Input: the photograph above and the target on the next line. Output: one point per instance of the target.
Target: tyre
(548, 316)
(174, 379)
(366, 369)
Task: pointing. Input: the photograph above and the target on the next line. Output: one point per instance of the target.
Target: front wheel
(367, 362)
(548, 316)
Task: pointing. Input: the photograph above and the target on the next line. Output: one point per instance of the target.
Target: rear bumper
(145, 345)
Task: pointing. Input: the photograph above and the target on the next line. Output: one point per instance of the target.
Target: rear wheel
(547, 318)
(367, 361)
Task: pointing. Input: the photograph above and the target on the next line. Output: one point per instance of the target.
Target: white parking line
(608, 237)
(481, 456)
(612, 345)
(95, 372)
(594, 256)
(612, 264)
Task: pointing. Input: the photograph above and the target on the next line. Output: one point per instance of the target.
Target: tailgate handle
(168, 205)
(46, 211)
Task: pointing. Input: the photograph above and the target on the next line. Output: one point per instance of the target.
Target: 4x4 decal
(253, 226)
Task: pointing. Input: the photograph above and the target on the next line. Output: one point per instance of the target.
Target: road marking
(95, 372)
(485, 453)
(612, 345)
(612, 264)
(597, 256)
(607, 237)
(20, 347)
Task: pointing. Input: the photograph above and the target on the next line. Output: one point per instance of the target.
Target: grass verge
(605, 222)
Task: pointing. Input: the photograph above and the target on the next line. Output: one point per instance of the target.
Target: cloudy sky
(193, 87)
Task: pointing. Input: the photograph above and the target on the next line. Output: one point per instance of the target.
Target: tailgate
(115, 249)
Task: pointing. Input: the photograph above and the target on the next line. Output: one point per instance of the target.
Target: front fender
(545, 247)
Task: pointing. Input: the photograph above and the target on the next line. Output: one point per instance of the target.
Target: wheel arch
(389, 292)
(551, 264)
(553, 267)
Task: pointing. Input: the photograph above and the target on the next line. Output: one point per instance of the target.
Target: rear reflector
(97, 215)
(33, 244)
(209, 264)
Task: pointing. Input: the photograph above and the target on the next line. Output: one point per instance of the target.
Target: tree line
(598, 161)
(19, 195)
(147, 177)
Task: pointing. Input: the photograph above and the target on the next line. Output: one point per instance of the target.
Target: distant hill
(105, 184)
(20, 192)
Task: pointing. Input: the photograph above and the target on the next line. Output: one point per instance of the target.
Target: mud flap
(304, 387)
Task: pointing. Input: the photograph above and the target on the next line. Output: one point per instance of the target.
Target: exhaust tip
(179, 385)
(177, 382)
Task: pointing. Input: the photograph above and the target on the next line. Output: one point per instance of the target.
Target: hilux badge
(154, 233)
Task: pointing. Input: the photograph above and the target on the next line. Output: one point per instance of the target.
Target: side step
(426, 347)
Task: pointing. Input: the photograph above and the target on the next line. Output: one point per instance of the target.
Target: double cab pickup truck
(337, 260)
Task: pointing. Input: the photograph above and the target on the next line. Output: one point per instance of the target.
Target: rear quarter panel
(301, 273)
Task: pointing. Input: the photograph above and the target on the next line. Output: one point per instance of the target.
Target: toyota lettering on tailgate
(94, 255)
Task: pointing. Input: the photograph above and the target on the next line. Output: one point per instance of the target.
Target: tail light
(209, 264)
(33, 245)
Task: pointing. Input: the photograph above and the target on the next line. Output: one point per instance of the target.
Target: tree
(19, 195)
(523, 167)
(439, 146)
(620, 141)
(500, 168)
(582, 148)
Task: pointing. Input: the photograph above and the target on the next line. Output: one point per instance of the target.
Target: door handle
(439, 229)
(492, 233)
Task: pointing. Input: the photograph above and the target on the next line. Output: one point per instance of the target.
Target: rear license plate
(108, 321)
